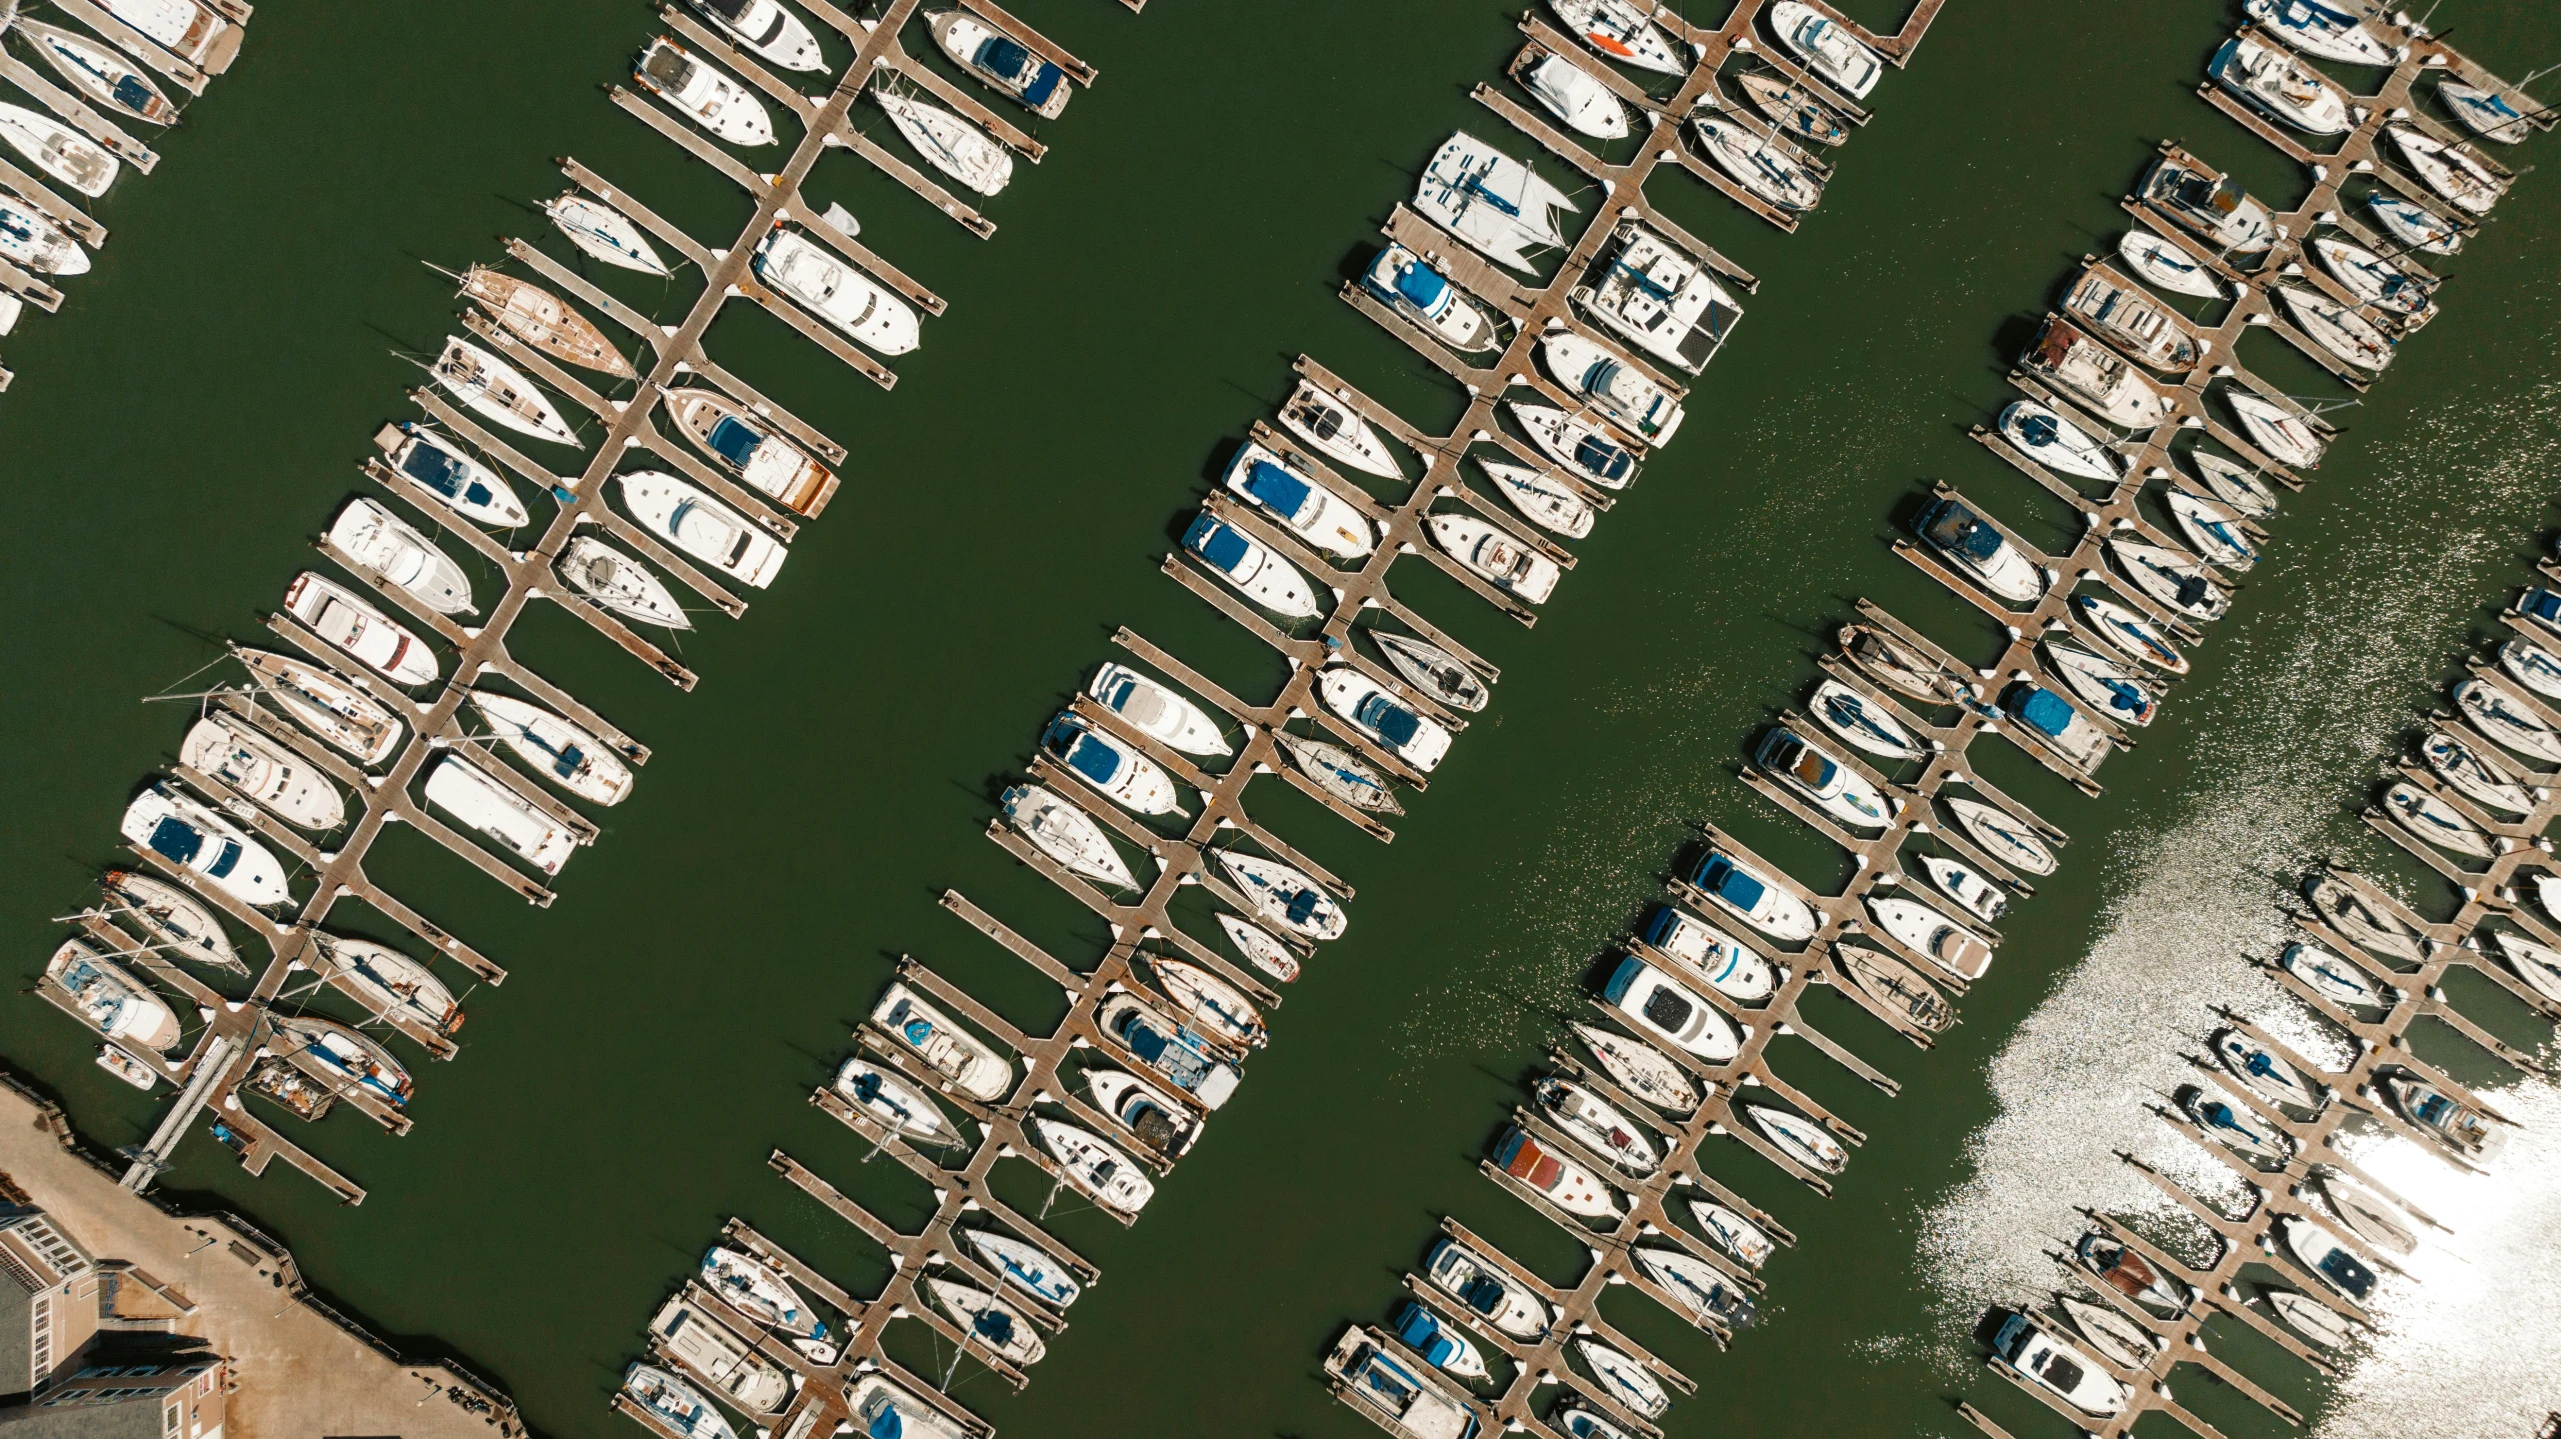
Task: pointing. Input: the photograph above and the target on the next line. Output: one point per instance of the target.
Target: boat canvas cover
(1092, 759)
(1276, 488)
(2045, 711)
(1000, 56)
(734, 442)
(1521, 1158)
(1222, 547)
(444, 474)
(1394, 723)
(1418, 1331)
(1422, 285)
(1733, 886)
(1954, 527)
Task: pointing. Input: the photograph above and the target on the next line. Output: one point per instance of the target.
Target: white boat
(2176, 580)
(1641, 1069)
(1703, 1290)
(470, 488)
(1733, 1233)
(2129, 633)
(2336, 328)
(59, 151)
(966, 1063)
(2335, 979)
(1026, 1267)
(2265, 1072)
(2028, 1350)
(103, 74)
(1597, 1125)
(390, 983)
(1332, 429)
(700, 526)
(2108, 381)
(1285, 896)
(1663, 301)
(30, 239)
(706, 1348)
(2321, 29)
(1981, 898)
(2108, 688)
(1491, 201)
(1433, 671)
(976, 46)
(1863, 722)
(1723, 963)
(2474, 775)
(1825, 779)
(1115, 770)
(2485, 113)
(365, 634)
(604, 232)
(2435, 821)
(1437, 1344)
(1624, 31)
(1249, 565)
(2211, 207)
(487, 806)
(1156, 711)
(1922, 929)
(2132, 1275)
(2310, 1318)
(1553, 1177)
(280, 781)
(722, 105)
(2507, 721)
(2007, 838)
(836, 292)
(1800, 1138)
(2043, 435)
(1180, 1057)
(2117, 1339)
(878, 1405)
(1148, 1115)
(1495, 556)
(1488, 1291)
(991, 1323)
(2285, 435)
(767, 30)
(949, 143)
(2371, 1217)
(2532, 666)
(752, 1287)
(116, 1061)
(1757, 164)
(2138, 324)
(2275, 84)
(1753, 897)
(1905, 670)
(188, 834)
(326, 705)
(2167, 264)
(559, 751)
(1094, 1168)
(2048, 719)
(498, 392)
(2238, 1130)
(2452, 171)
(675, 1404)
(170, 919)
(1978, 548)
(1577, 444)
(889, 1098)
(1301, 502)
(1826, 48)
(2374, 280)
(762, 459)
(2329, 1260)
(620, 583)
(1665, 1008)
(374, 537)
(2414, 224)
(1614, 387)
(1585, 105)
(2459, 1124)
(1369, 707)
(1259, 948)
(1217, 1007)
(1407, 284)
(352, 1061)
(111, 1000)
(185, 28)
(1625, 1380)
(2234, 484)
(1066, 834)
(2539, 965)
(1792, 108)
(2368, 928)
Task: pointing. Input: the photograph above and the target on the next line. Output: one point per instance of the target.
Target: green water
(178, 434)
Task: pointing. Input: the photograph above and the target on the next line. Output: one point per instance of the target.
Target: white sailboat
(1066, 834)
(1546, 503)
(559, 751)
(2288, 437)
(101, 72)
(1259, 947)
(30, 239)
(1491, 201)
(619, 583)
(1576, 443)
(1623, 30)
(1760, 166)
(2168, 265)
(2336, 328)
(499, 392)
(173, 920)
(1285, 896)
(1334, 430)
(278, 780)
(949, 143)
(324, 704)
(604, 232)
(59, 151)
(389, 982)
(1094, 1168)
(886, 1096)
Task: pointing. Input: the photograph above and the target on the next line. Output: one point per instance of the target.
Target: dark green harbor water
(179, 433)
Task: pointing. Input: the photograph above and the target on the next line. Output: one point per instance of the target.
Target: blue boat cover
(1222, 547)
(177, 839)
(1422, 1333)
(2542, 604)
(1276, 489)
(1953, 527)
(1422, 285)
(1720, 878)
(1395, 724)
(224, 862)
(1043, 85)
(734, 442)
(886, 1424)
(1144, 1041)
(1666, 923)
(1302, 906)
(2039, 430)
(2345, 1271)
(569, 761)
(2041, 709)
(1597, 456)
(433, 468)
(1092, 759)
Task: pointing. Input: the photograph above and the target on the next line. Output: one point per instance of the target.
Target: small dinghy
(2363, 925)
(1863, 722)
(2276, 85)
(2167, 264)
(1597, 1125)
(1826, 48)
(753, 1288)
(106, 77)
(1576, 444)
(1733, 1233)
(2453, 171)
(1799, 1138)
(1285, 896)
(2435, 821)
(1703, 1289)
(110, 999)
(1895, 987)
(2501, 717)
(2414, 224)
(2375, 281)
(2329, 1260)
(1981, 898)
(991, 1324)
(1585, 105)
(2539, 965)
(1340, 773)
(390, 983)
(1641, 1069)
(1024, 1266)
(2310, 1318)
(2233, 484)
(965, 1062)
(2286, 436)
(1034, 83)
(2216, 532)
(1753, 897)
(1094, 1168)
(324, 704)
(2266, 1073)
(1622, 30)
(1546, 503)
(559, 751)
(2114, 389)
(1440, 1345)
(1657, 1004)
(2236, 1129)
(1334, 430)
(2533, 666)
(2371, 1217)
(1148, 1115)
(1905, 671)
(498, 392)
(2108, 688)
(1495, 556)
(949, 143)
(281, 782)
(2005, 837)
(2119, 1340)
(887, 1097)
(470, 488)
(2485, 113)
(360, 631)
(2336, 328)
(1251, 567)
(114, 1060)
(1434, 671)
(59, 151)
(1624, 1380)
(603, 232)
(1792, 108)
(1762, 168)
(675, 1404)
(543, 320)
(2178, 581)
(1488, 1290)
(1156, 711)
(2128, 633)
(392, 548)
(1221, 1011)
(1831, 785)
(716, 102)
(2474, 775)
(1381, 716)
(2055, 442)
(1259, 948)
(1923, 930)
(1066, 834)
(174, 922)
(1725, 965)
(620, 583)
(2335, 979)
(1115, 770)
(2130, 1274)
(175, 825)
(1552, 1176)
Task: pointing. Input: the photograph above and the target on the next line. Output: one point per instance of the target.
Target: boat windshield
(734, 442)
(1222, 547)
(1276, 489)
